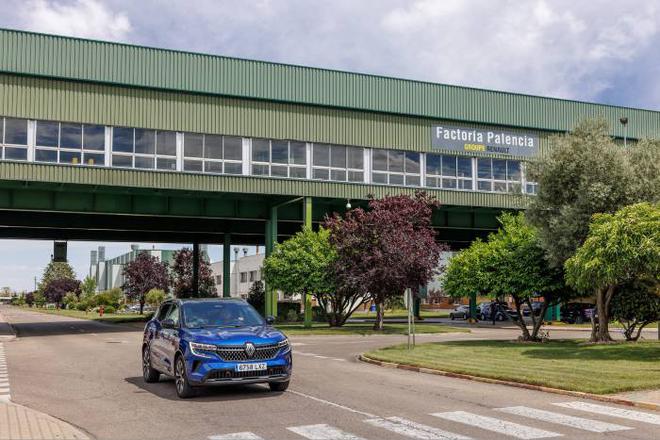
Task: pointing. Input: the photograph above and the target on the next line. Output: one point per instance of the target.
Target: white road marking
(323, 432)
(321, 357)
(563, 419)
(298, 344)
(496, 425)
(5, 395)
(336, 405)
(236, 436)
(629, 414)
(408, 428)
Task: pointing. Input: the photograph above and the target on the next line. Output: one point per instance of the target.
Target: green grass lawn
(569, 365)
(402, 314)
(107, 317)
(297, 329)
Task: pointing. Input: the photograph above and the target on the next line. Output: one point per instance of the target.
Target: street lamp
(624, 122)
(348, 204)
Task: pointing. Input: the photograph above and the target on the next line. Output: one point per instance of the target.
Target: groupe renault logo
(249, 349)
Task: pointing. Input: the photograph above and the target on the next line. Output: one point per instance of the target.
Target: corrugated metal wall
(40, 98)
(236, 184)
(85, 60)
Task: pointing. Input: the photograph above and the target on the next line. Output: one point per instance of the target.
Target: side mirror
(167, 323)
(270, 320)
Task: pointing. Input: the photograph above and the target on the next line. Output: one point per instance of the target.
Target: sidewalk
(18, 422)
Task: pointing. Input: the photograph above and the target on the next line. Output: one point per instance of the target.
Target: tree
(155, 297)
(56, 289)
(387, 249)
(88, 287)
(585, 173)
(621, 248)
(182, 271)
(257, 296)
(511, 262)
(141, 275)
(29, 299)
(635, 306)
(56, 270)
(303, 265)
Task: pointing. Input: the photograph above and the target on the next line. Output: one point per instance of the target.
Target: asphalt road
(89, 374)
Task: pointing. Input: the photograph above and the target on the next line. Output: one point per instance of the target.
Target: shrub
(82, 306)
(110, 309)
(155, 297)
(291, 315)
(284, 307)
(106, 298)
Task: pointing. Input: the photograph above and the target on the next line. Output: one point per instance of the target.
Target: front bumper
(202, 371)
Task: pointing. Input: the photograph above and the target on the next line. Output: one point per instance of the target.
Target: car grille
(231, 374)
(262, 353)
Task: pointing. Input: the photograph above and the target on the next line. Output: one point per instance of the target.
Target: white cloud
(79, 18)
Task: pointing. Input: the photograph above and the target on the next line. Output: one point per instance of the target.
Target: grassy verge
(402, 314)
(111, 317)
(363, 329)
(569, 365)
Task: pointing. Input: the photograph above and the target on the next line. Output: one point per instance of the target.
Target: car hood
(236, 336)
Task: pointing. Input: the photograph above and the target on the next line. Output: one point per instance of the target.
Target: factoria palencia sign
(479, 140)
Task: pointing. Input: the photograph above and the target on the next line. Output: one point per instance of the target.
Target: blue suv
(215, 341)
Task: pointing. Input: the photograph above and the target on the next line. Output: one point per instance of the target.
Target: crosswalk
(5, 395)
(482, 424)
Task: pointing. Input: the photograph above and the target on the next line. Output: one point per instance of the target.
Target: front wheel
(183, 388)
(149, 374)
(278, 386)
(451, 317)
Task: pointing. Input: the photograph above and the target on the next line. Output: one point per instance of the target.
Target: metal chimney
(135, 247)
(245, 251)
(93, 257)
(101, 254)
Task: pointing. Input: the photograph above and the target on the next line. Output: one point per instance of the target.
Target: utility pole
(624, 122)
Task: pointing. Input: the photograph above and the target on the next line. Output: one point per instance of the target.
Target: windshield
(220, 314)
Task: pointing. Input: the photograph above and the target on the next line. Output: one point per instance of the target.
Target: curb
(12, 331)
(599, 397)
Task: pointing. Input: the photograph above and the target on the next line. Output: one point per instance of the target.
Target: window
(253, 275)
(212, 153)
(13, 139)
(279, 158)
(70, 143)
(448, 172)
(499, 175)
(393, 167)
(144, 149)
(173, 314)
(337, 162)
(244, 277)
(218, 279)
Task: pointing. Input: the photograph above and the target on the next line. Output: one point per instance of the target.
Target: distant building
(244, 271)
(108, 273)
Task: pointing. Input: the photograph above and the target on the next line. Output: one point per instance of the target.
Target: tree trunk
(538, 323)
(521, 322)
(141, 307)
(601, 332)
(378, 325)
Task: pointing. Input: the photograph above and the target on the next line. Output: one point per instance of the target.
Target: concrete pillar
(307, 222)
(226, 264)
(195, 270)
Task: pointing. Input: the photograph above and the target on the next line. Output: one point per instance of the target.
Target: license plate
(251, 367)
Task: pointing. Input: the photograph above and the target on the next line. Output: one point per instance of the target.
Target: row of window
(125, 147)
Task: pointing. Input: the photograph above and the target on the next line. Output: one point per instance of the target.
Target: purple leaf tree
(57, 289)
(144, 273)
(386, 249)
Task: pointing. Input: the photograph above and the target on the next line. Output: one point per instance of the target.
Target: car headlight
(284, 344)
(203, 350)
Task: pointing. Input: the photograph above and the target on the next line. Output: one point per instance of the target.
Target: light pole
(624, 122)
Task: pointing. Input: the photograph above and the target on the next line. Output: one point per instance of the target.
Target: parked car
(576, 313)
(203, 342)
(536, 308)
(460, 312)
(502, 313)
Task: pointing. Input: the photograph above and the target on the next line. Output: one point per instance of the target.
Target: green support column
(272, 293)
(473, 308)
(307, 221)
(226, 264)
(269, 250)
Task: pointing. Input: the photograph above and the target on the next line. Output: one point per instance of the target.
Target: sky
(595, 50)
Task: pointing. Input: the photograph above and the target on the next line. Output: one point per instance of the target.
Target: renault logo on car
(249, 349)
